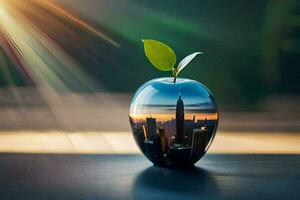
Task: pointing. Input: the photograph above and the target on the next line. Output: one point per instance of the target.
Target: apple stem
(174, 74)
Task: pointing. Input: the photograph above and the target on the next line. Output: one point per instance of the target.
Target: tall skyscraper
(180, 139)
(151, 128)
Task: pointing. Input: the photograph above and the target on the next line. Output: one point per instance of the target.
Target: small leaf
(186, 61)
(159, 54)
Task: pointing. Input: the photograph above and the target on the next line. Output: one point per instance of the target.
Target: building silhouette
(153, 149)
(180, 138)
(170, 131)
(189, 126)
(199, 143)
(179, 156)
(151, 128)
(163, 140)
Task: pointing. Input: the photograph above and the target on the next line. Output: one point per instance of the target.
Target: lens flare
(30, 45)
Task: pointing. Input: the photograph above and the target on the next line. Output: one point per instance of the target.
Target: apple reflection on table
(173, 124)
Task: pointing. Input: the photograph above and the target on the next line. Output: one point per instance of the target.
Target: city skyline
(174, 139)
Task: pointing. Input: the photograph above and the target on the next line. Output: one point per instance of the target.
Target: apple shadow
(156, 182)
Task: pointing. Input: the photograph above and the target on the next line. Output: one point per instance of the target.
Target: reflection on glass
(173, 123)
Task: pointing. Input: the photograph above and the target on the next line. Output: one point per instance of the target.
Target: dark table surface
(50, 176)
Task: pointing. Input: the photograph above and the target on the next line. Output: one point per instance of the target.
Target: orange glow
(166, 117)
(64, 142)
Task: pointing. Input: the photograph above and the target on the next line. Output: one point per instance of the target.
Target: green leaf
(159, 54)
(186, 61)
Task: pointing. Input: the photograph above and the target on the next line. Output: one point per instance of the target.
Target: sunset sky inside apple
(167, 117)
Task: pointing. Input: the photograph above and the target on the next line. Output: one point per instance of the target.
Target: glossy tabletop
(216, 176)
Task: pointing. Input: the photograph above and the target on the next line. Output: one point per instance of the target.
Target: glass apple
(173, 123)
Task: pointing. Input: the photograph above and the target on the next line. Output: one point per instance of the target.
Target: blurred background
(73, 66)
